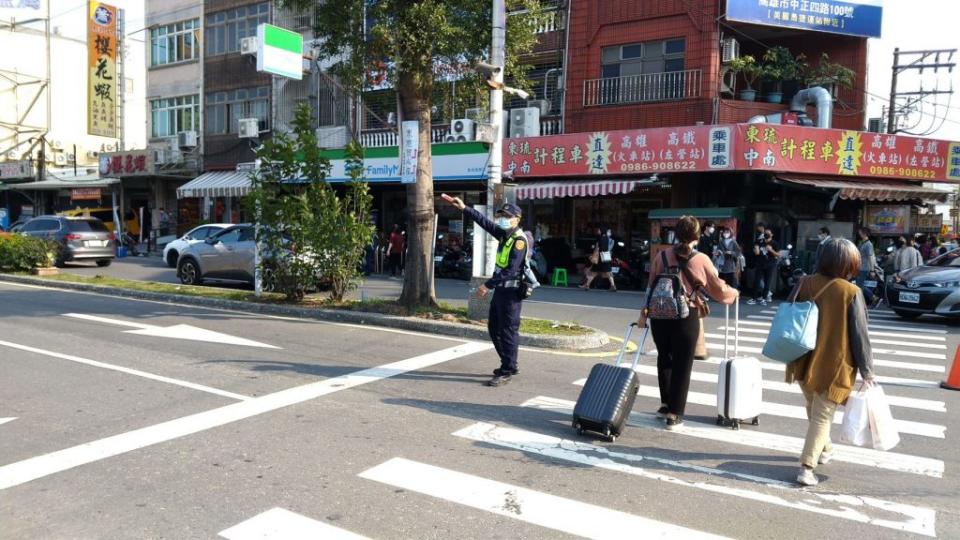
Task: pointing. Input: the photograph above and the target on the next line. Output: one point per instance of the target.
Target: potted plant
(746, 66)
(829, 74)
(780, 65)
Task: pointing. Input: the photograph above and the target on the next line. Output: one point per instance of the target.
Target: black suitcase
(608, 395)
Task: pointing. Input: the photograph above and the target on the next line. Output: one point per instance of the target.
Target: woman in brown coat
(828, 372)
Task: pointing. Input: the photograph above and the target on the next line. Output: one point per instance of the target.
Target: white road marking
(912, 337)
(5, 420)
(549, 511)
(128, 371)
(24, 471)
(280, 524)
(918, 520)
(882, 379)
(873, 340)
(178, 331)
(758, 439)
(871, 326)
(876, 361)
(780, 386)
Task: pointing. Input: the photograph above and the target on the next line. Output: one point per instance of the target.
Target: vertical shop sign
(102, 70)
(720, 142)
(410, 151)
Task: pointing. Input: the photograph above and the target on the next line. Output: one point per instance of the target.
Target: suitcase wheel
(735, 425)
(719, 420)
(756, 421)
(613, 438)
(607, 434)
(580, 431)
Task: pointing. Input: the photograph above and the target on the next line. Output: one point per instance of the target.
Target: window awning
(216, 184)
(56, 184)
(873, 190)
(583, 188)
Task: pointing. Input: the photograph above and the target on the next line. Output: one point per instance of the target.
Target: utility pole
(920, 60)
(498, 55)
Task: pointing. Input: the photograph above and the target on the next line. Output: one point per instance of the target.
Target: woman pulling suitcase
(674, 310)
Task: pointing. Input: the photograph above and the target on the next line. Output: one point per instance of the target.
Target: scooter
(789, 272)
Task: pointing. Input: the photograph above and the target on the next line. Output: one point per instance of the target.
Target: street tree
(414, 45)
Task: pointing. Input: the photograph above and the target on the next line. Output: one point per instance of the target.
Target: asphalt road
(134, 419)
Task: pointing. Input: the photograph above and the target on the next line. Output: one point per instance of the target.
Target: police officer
(504, 320)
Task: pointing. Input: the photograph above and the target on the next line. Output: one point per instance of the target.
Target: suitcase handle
(736, 330)
(626, 339)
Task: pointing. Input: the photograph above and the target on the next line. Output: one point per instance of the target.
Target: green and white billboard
(279, 51)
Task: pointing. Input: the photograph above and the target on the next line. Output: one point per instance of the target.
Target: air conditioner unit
(332, 137)
(59, 159)
(463, 129)
(160, 155)
(875, 125)
(476, 114)
(249, 128)
(92, 154)
(541, 104)
(187, 139)
(729, 49)
(525, 122)
(71, 158)
(248, 45)
(13, 155)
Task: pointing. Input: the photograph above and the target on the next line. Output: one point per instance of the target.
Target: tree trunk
(418, 272)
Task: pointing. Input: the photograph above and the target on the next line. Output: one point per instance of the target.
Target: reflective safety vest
(503, 256)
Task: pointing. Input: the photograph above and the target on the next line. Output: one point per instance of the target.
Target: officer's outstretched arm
(485, 223)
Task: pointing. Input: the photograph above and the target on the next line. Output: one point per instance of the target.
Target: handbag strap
(694, 283)
(825, 287)
(796, 291)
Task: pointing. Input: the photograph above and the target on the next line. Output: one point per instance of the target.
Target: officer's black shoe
(499, 371)
(499, 380)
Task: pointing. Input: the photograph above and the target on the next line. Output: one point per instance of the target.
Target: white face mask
(726, 236)
(709, 231)
(503, 223)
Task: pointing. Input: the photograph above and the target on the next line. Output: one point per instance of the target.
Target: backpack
(667, 300)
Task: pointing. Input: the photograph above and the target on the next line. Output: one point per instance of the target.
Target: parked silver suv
(80, 239)
(226, 255)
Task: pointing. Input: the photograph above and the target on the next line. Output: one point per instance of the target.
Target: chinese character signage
(929, 223)
(806, 150)
(85, 194)
(410, 151)
(102, 66)
(884, 220)
(850, 17)
(132, 163)
(16, 169)
(644, 151)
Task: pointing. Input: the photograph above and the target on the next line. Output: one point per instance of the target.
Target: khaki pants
(700, 352)
(820, 413)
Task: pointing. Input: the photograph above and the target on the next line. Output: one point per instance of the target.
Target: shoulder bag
(793, 332)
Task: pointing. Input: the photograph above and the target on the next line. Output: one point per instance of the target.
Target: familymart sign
(279, 51)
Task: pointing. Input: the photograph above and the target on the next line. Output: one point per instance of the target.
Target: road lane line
(780, 386)
(938, 339)
(918, 520)
(24, 471)
(913, 366)
(882, 379)
(104, 320)
(873, 340)
(5, 420)
(128, 371)
(281, 524)
(549, 511)
(758, 439)
(871, 326)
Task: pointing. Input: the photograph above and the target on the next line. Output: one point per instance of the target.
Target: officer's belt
(510, 284)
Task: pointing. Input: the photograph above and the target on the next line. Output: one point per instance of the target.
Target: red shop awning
(583, 188)
(873, 190)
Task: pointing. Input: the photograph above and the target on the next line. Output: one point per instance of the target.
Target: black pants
(395, 266)
(676, 341)
(763, 281)
(503, 325)
(731, 279)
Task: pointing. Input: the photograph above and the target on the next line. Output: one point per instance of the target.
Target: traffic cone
(953, 380)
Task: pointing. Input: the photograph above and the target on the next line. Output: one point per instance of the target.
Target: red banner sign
(131, 163)
(85, 194)
(807, 150)
(768, 147)
(645, 151)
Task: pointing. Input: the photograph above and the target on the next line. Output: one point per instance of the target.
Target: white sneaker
(769, 297)
(825, 457)
(806, 477)
(751, 302)
(763, 302)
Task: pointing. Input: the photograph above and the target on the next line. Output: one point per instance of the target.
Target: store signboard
(849, 17)
(102, 70)
(808, 150)
(928, 223)
(279, 51)
(887, 220)
(649, 151)
(16, 169)
(129, 163)
(409, 151)
(85, 194)
(465, 166)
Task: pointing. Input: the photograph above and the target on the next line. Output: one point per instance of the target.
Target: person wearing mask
(755, 261)
(727, 253)
(603, 251)
(868, 262)
(767, 250)
(395, 250)
(824, 236)
(503, 322)
(677, 338)
(828, 373)
(708, 239)
(906, 256)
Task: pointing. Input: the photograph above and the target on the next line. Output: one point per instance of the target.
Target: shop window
(172, 43)
(225, 109)
(170, 116)
(225, 29)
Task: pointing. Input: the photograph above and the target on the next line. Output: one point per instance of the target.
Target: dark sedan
(933, 288)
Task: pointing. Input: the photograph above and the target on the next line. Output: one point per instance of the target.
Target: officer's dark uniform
(504, 319)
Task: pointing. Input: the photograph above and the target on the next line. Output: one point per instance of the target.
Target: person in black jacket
(503, 323)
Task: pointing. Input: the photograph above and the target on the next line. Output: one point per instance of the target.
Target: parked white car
(172, 251)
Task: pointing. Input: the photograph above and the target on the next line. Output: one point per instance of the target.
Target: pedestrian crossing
(904, 377)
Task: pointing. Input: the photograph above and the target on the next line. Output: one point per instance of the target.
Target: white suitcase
(740, 382)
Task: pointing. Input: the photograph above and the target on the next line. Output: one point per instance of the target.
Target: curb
(593, 340)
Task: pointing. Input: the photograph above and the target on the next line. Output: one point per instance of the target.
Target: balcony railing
(646, 88)
(375, 138)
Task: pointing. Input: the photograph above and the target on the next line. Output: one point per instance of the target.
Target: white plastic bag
(855, 429)
(883, 431)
